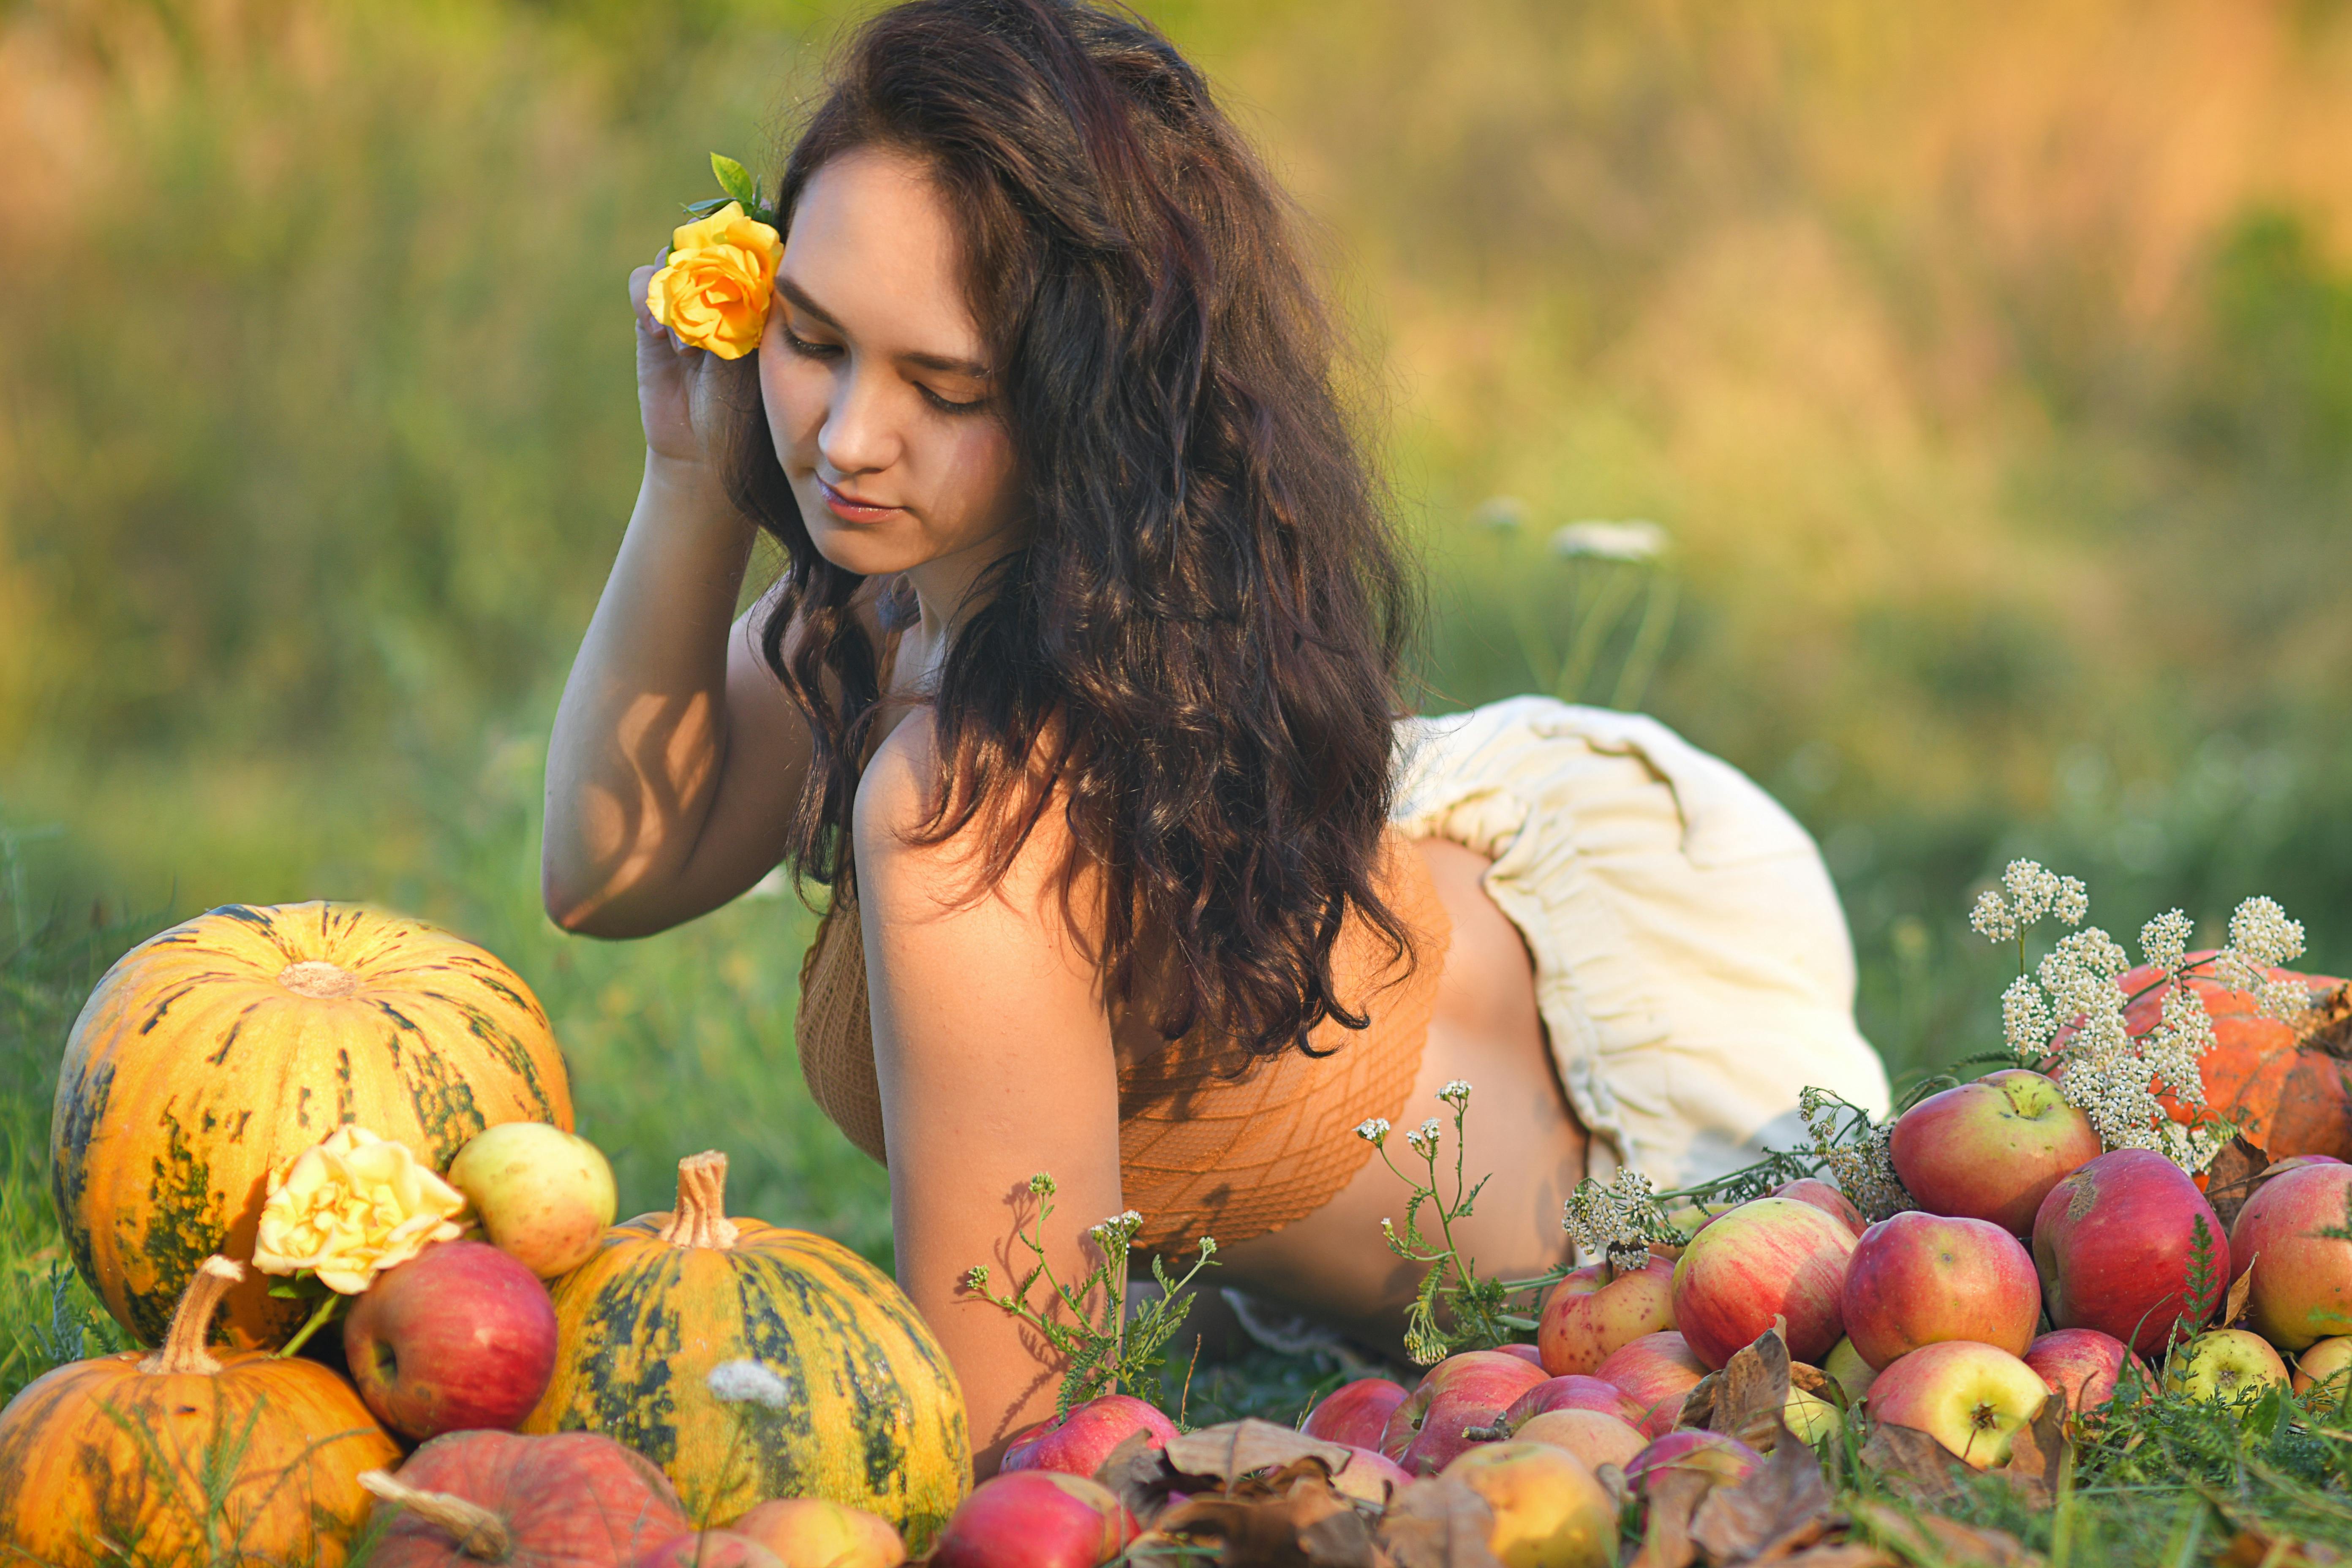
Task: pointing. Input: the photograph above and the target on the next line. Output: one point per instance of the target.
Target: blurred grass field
(1990, 368)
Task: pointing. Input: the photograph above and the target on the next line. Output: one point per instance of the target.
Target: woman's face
(875, 375)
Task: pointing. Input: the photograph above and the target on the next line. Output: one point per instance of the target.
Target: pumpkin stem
(317, 977)
(479, 1534)
(192, 1321)
(700, 1218)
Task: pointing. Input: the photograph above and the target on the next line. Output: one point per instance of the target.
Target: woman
(1079, 689)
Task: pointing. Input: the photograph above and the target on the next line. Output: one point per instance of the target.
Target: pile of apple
(2038, 1266)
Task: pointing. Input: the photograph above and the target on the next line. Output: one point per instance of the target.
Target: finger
(640, 288)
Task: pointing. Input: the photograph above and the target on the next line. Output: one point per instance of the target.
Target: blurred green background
(1990, 367)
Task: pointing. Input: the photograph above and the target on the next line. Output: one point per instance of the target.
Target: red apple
(1725, 1458)
(1035, 1519)
(2224, 1366)
(815, 1532)
(1970, 1397)
(1472, 1389)
(2301, 1290)
(1528, 1353)
(2116, 1242)
(1549, 1511)
(1371, 1474)
(1773, 1257)
(1355, 1413)
(1596, 1311)
(1991, 1149)
(1917, 1278)
(2083, 1366)
(460, 1336)
(1828, 1199)
(1078, 1440)
(1656, 1371)
(2324, 1367)
(1592, 1436)
(1572, 1393)
(708, 1549)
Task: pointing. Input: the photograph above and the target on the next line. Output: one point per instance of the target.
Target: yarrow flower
(2031, 893)
(351, 1206)
(749, 1382)
(1860, 1160)
(1456, 1093)
(1374, 1129)
(1619, 1221)
(1633, 540)
(1423, 1138)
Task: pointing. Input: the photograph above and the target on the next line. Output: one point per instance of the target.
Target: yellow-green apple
(1711, 1453)
(1917, 1278)
(1355, 1413)
(1573, 1392)
(1370, 1475)
(1549, 1511)
(1597, 1310)
(708, 1548)
(1593, 1436)
(2081, 1367)
(1656, 1371)
(2324, 1366)
(542, 1194)
(2118, 1244)
(1852, 1374)
(1828, 1199)
(2301, 1287)
(2223, 1365)
(1991, 1149)
(814, 1533)
(1462, 1392)
(1079, 1439)
(1812, 1417)
(459, 1337)
(1970, 1397)
(1035, 1519)
(1773, 1258)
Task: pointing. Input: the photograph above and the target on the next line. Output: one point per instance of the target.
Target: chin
(869, 552)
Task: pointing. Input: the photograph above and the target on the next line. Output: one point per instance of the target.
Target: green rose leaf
(735, 180)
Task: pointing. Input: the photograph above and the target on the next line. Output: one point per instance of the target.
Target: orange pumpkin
(2288, 1086)
(219, 1049)
(179, 1457)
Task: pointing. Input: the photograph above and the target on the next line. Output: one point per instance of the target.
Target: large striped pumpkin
(185, 1457)
(870, 1413)
(221, 1048)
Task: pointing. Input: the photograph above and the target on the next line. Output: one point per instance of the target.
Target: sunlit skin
(676, 761)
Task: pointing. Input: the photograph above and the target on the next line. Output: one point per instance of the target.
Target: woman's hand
(678, 387)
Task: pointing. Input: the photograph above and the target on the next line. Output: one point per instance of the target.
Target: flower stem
(318, 1320)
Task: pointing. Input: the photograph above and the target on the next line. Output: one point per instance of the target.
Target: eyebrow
(945, 363)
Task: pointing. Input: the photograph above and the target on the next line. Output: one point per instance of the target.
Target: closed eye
(806, 349)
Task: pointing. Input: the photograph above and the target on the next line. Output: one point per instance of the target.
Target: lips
(852, 508)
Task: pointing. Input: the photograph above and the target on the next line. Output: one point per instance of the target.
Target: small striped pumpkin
(217, 1052)
(185, 1457)
(870, 1413)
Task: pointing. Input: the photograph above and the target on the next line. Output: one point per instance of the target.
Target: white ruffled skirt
(1693, 966)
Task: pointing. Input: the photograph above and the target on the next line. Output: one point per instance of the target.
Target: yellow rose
(350, 1207)
(713, 292)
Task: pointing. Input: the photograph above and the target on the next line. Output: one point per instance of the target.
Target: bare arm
(676, 756)
(995, 1062)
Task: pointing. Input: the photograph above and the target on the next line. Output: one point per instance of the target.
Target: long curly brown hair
(1198, 650)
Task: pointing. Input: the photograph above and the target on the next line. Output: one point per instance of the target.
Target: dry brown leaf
(1782, 1505)
(1913, 1461)
(1815, 1381)
(2037, 1452)
(1934, 1542)
(1674, 1496)
(2231, 1179)
(1307, 1525)
(1235, 1449)
(1844, 1554)
(1139, 1475)
(2239, 1289)
(2253, 1548)
(1438, 1524)
(1754, 1392)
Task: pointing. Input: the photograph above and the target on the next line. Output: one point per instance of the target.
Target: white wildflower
(1617, 1222)
(2262, 936)
(749, 1382)
(1501, 514)
(2025, 1018)
(1122, 1224)
(1630, 541)
(1860, 1163)
(2164, 942)
(2072, 902)
(1993, 917)
(2287, 999)
(1456, 1093)
(1423, 1138)
(1372, 1130)
(2031, 889)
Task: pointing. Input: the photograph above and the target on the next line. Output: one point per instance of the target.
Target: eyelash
(807, 350)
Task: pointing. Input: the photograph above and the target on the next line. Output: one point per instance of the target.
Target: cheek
(985, 470)
(794, 392)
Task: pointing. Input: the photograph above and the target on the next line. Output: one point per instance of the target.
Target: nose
(857, 436)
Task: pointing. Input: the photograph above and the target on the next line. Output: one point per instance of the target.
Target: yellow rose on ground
(350, 1207)
(713, 292)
